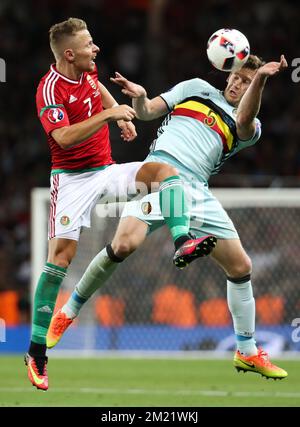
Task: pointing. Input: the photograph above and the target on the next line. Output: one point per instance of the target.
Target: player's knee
(242, 268)
(169, 170)
(61, 252)
(123, 246)
(165, 171)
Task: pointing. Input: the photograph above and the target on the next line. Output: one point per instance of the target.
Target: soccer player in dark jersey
(75, 109)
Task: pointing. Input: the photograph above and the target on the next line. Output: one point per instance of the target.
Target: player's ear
(69, 55)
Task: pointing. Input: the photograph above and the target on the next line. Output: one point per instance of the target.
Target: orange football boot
(37, 371)
(59, 323)
(259, 363)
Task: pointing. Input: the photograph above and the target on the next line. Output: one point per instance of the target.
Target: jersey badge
(91, 82)
(55, 115)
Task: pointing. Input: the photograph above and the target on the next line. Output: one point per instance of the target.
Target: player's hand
(128, 132)
(122, 112)
(272, 68)
(129, 88)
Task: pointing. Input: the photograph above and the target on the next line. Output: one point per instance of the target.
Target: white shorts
(207, 214)
(74, 195)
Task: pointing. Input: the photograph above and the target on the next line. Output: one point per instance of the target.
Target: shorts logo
(146, 208)
(55, 115)
(65, 220)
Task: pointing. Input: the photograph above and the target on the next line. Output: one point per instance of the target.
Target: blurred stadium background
(147, 305)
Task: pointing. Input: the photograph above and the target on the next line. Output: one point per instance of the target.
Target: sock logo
(45, 309)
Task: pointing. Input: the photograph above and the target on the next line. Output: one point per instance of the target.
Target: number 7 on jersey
(89, 102)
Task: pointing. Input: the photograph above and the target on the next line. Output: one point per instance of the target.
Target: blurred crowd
(156, 43)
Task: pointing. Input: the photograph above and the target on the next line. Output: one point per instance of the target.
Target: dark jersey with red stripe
(62, 102)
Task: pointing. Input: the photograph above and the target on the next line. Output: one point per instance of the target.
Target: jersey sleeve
(51, 109)
(255, 137)
(184, 90)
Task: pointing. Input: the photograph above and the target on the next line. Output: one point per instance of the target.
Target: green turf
(146, 382)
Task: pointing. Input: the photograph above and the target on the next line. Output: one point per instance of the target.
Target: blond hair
(60, 31)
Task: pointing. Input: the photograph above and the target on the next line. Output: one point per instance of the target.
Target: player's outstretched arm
(146, 109)
(250, 103)
(272, 68)
(68, 136)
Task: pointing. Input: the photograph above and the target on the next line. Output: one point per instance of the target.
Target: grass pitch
(146, 382)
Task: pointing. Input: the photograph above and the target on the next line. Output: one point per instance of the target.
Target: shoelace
(264, 355)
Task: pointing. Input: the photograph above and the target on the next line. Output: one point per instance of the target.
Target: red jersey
(61, 102)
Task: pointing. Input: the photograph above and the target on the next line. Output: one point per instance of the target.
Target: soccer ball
(228, 49)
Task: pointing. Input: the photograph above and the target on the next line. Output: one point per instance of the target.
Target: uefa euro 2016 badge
(65, 220)
(55, 115)
(146, 208)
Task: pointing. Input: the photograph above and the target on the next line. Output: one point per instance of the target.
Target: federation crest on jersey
(55, 115)
(91, 82)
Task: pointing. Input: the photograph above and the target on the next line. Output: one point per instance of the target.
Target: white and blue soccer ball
(228, 49)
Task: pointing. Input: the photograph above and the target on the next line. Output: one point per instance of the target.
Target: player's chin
(233, 100)
(91, 66)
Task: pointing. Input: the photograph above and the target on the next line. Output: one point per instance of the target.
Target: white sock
(96, 274)
(242, 307)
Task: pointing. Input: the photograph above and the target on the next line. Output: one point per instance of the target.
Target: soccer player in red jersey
(75, 109)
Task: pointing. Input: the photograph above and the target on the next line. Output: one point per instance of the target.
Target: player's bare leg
(231, 256)
(130, 234)
(61, 252)
(174, 209)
